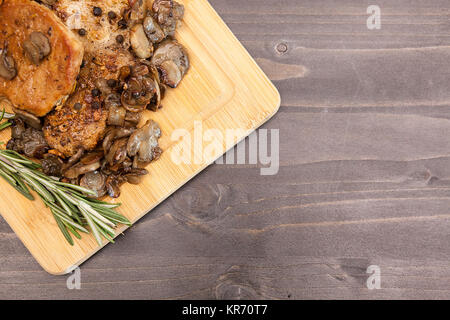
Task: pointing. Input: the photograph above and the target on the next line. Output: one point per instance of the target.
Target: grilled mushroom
(167, 13)
(7, 65)
(143, 143)
(36, 47)
(80, 168)
(172, 62)
(29, 118)
(153, 31)
(95, 181)
(140, 43)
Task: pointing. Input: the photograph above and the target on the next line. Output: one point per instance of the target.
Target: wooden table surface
(364, 173)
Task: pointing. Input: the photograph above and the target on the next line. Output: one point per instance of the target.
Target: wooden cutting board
(224, 89)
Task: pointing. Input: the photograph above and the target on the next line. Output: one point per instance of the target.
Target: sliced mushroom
(143, 143)
(116, 116)
(133, 117)
(118, 152)
(140, 43)
(28, 118)
(36, 47)
(138, 94)
(115, 133)
(74, 159)
(172, 61)
(7, 65)
(167, 13)
(153, 31)
(112, 186)
(80, 168)
(92, 157)
(95, 181)
(135, 175)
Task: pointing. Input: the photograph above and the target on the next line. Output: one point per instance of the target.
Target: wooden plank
(359, 185)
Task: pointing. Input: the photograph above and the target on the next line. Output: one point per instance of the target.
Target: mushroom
(95, 181)
(112, 186)
(36, 47)
(118, 152)
(143, 143)
(92, 157)
(52, 165)
(134, 175)
(140, 43)
(28, 118)
(139, 92)
(167, 13)
(115, 133)
(7, 65)
(152, 29)
(80, 168)
(172, 62)
(116, 116)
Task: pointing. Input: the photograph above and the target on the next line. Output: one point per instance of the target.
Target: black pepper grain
(95, 92)
(112, 83)
(122, 24)
(97, 11)
(120, 38)
(112, 15)
(95, 105)
(82, 32)
(77, 106)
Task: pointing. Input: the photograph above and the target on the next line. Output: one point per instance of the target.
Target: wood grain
(221, 92)
(364, 177)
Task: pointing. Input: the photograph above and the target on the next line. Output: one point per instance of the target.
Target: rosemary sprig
(70, 204)
(5, 115)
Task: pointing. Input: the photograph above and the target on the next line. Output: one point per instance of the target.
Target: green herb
(6, 116)
(70, 204)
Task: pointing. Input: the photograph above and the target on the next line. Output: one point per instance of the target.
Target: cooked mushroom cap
(95, 181)
(172, 62)
(144, 142)
(29, 118)
(36, 47)
(140, 43)
(7, 65)
(153, 31)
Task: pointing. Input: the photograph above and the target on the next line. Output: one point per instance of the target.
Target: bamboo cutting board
(224, 89)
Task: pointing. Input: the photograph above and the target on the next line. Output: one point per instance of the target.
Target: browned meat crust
(69, 129)
(38, 88)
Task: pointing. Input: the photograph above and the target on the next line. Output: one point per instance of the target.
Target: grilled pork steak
(40, 57)
(81, 123)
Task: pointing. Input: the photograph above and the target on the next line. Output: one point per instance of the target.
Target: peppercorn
(112, 15)
(97, 11)
(95, 105)
(136, 94)
(120, 38)
(95, 92)
(111, 83)
(77, 106)
(82, 32)
(122, 24)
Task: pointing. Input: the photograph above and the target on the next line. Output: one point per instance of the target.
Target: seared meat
(69, 129)
(81, 123)
(44, 53)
